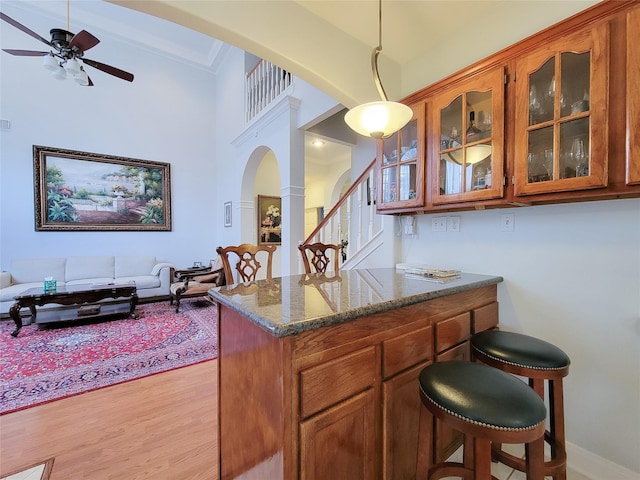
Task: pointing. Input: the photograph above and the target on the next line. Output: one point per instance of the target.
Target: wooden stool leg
(482, 458)
(468, 452)
(557, 440)
(534, 452)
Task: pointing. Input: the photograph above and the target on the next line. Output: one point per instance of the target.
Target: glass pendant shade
(72, 66)
(50, 62)
(378, 119)
(59, 74)
(82, 78)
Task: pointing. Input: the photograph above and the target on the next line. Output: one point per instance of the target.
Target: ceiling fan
(67, 51)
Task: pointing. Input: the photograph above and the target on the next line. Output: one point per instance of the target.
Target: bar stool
(539, 361)
(487, 406)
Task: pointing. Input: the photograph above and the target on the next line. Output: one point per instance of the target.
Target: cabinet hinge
(506, 78)
(513, 180)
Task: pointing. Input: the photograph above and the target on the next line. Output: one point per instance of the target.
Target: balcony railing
(263, 85)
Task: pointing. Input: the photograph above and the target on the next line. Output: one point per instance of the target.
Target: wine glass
(551, 91)
(578, 154)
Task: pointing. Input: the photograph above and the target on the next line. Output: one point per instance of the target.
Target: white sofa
(152, 277)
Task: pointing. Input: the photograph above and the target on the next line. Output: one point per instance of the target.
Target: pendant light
(378, 119)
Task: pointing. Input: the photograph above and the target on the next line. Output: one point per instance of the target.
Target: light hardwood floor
(161, 427)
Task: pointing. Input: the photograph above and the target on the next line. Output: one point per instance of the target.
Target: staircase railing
(264, 83)
(352, 222)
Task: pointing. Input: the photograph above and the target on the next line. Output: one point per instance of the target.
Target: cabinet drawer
(452, 331)
(406, 350)
(459, 352)
(336, 380)
(485, 318)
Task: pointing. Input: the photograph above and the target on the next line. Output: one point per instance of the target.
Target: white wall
(165, 115)
(571, 277)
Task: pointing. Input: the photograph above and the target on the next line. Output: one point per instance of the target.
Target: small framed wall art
(269, 220)
(227, 214)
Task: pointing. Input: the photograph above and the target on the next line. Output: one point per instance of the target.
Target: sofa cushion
(142, 281)
(99, 266)
(134, 265)
(7, 293)
(91, 281)
(28, 270)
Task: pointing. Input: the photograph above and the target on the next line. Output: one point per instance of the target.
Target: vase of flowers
(272, 217)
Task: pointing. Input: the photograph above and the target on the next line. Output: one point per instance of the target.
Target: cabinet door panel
(561, 115)
(401, 165)
(633, 97)
(467, 158)
(400, 424)
(341, 439)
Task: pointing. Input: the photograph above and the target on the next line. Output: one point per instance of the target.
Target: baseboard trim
(595, 467)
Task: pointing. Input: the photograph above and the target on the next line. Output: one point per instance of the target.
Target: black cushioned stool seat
(539, 361)
(487, 405)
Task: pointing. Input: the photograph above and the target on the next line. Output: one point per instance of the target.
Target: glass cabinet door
(561, 115)
(401, 161)
(633, 97)
(467, 151)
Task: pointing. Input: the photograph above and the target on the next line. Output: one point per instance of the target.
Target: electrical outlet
(507, 222)
(453, 224)
(439, 224)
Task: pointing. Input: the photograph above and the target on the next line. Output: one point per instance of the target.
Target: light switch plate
(507, 222)
(439, 224)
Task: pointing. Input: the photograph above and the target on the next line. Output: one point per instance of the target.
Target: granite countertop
(298, 303)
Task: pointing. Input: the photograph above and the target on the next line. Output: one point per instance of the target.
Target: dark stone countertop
(298, 303)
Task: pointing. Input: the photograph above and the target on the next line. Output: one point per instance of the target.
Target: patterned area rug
(46, 364)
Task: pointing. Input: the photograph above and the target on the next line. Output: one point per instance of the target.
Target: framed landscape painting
(90, 191)
(269, 220)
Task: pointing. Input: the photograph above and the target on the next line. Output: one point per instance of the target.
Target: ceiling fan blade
(116, 72)
(83, 41)
(19, 26)
(25, 53)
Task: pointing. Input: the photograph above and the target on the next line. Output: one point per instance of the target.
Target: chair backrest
(247, 264)
(317, 256)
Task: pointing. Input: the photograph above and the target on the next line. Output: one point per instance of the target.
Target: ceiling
(318, 40)
(324, 32)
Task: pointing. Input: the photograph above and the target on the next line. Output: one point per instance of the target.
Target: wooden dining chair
(317, 256)
(246, 262)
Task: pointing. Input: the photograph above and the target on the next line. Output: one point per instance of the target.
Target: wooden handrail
(363, 176)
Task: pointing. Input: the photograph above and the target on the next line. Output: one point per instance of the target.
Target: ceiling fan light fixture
(82, 78)
(50, 62)
(59, 74)
(72, 67)
(378, 119)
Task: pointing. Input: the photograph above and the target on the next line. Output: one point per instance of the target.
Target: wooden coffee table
(79, 302)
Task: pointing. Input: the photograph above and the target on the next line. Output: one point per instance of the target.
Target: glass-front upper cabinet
(467, 151)
(633, 97)
(401, 165)
(561, 121)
